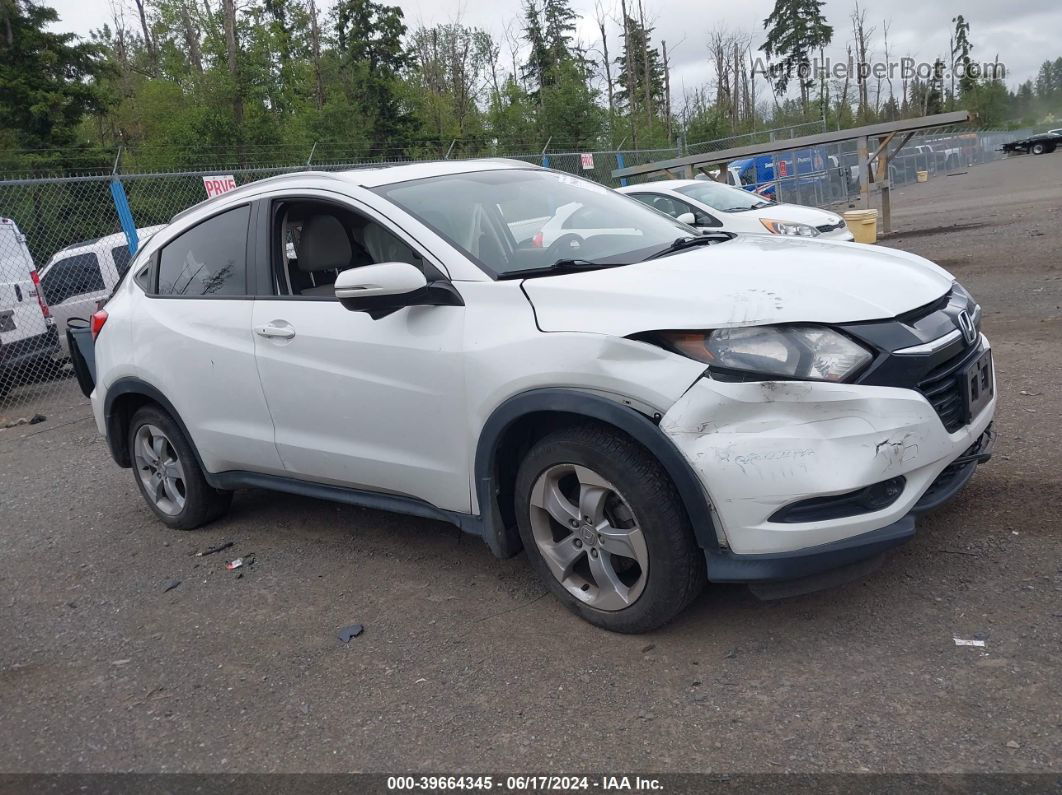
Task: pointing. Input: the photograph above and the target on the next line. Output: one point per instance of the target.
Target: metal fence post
(125, 215)
(121, 206)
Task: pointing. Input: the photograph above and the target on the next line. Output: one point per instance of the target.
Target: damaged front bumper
(764, 447)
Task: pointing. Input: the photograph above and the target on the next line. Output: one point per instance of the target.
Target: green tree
(451, 73)
(796, 30)
(640, 72)
(48, 81)
(549, 31)
(960, 55)
(371, 56)
(988, 99)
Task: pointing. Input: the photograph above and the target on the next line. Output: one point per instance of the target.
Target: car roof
(367, 177)
(107, 241)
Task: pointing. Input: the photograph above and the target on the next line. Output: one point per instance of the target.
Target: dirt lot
(466, 665)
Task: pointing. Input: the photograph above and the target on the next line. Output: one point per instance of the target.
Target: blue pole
(619, 162)
(125, 215)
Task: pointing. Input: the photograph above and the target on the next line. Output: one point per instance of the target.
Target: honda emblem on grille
(966, 325)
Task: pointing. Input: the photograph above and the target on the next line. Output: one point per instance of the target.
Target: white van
(82, 274)
(28, 336)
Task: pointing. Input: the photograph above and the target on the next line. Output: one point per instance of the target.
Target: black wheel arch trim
(504, 541)
(130, 385)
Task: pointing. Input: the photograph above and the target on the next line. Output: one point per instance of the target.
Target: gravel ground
(465, 663)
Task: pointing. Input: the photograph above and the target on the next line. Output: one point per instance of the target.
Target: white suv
(639, 413)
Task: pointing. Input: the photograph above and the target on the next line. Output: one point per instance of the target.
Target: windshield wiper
(683, 243)
(559, 267)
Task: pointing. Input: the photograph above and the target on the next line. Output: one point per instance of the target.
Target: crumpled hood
(747, 281)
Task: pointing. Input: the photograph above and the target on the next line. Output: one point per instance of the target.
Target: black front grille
(830, 227)
(943, 388)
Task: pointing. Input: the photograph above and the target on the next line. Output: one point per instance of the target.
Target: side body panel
(200, 354)
(366, 403)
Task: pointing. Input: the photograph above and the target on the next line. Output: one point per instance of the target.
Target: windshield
(516, 219)
(723, 197)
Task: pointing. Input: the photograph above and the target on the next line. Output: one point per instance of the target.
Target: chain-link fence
(828, 175)
(63, 248)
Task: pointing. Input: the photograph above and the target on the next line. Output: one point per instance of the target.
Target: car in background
(535, 222)
(81, 275)
(804, 173)
(28, 337)
(1043, 144)
(710, 205)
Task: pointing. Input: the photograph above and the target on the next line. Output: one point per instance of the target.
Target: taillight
(96, 323)
(40, 294)
(536, 241)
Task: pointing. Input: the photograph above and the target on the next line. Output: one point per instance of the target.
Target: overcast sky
(1023, 33)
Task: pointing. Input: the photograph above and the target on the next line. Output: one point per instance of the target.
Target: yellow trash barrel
(863, 224)
(922, 176)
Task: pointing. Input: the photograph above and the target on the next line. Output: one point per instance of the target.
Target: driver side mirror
(687, 218)
(386, 287)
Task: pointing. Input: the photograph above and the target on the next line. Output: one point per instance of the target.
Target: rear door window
(73, 276)
(210, 259)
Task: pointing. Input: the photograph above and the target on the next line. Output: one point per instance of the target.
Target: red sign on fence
(587, 161)
(217, 185)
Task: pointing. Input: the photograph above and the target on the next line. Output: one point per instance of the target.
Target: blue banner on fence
(125, 215)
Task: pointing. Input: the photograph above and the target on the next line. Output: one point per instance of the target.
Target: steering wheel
(562, 247)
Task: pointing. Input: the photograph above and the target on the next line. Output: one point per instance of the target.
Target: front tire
(605, 529)
(1038, 149)
(168, 475)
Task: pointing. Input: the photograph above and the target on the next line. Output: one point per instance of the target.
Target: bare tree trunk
(9, 34)
(601, 20)
(752, 87)
(191, 39)
(229, 9)
(315, 51)
(667, 90)
(645, 64)
(493, 53)
(888, 63)
(629, 57)
(735, 111)
(149, 42)
(719, 43)
(951, 50)
(861, 36)
(842, 103)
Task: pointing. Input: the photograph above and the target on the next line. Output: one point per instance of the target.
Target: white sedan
(711, 205)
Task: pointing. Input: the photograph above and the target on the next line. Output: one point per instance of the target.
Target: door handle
(280, 332)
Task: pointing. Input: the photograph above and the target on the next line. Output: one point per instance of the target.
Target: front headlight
(814, 353)
(789, 228)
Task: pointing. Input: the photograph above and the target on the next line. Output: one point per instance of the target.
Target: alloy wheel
(160, 470)
(589, 537)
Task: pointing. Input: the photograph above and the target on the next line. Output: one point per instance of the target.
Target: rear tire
(622, 555)
(168, 475)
